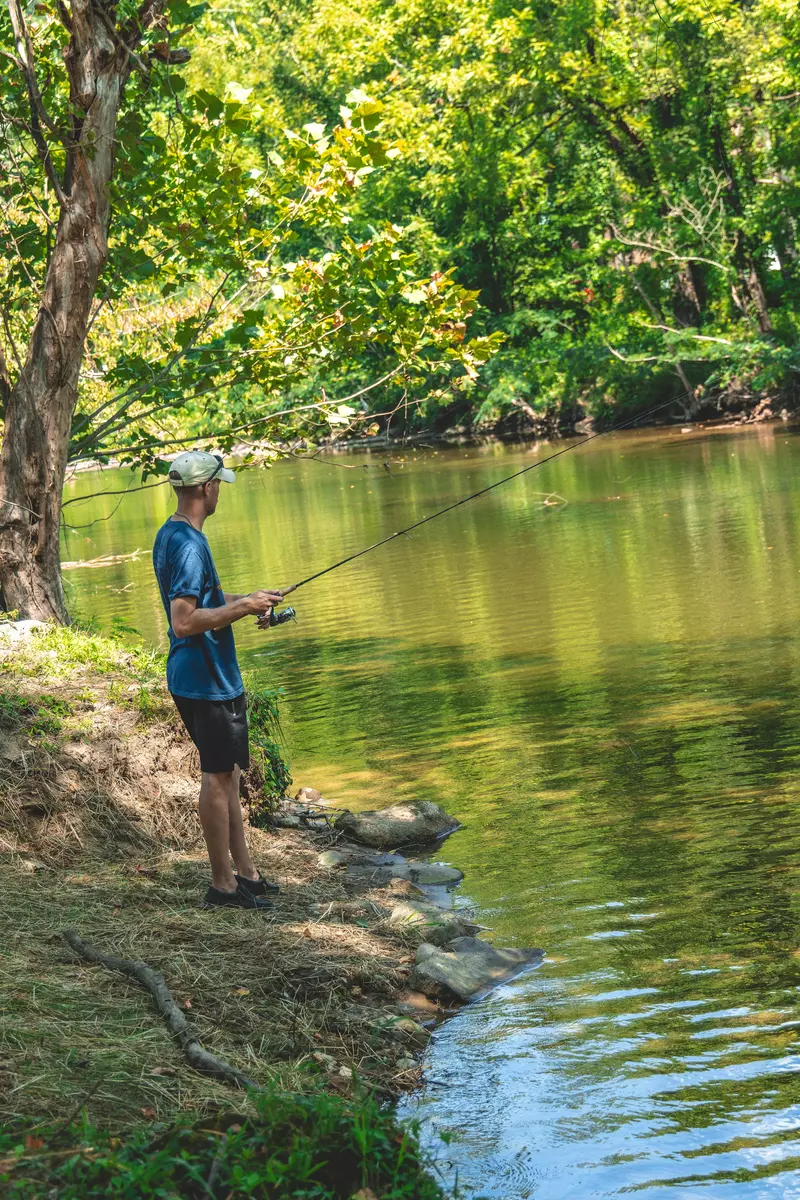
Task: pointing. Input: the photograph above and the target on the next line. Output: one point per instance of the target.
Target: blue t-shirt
(203, 666)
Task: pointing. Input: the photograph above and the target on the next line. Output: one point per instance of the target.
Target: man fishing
(203, 674)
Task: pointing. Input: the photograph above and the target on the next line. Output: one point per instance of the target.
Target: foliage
(320, 1147)
(619, 183)
(237, 282)
(268, 779)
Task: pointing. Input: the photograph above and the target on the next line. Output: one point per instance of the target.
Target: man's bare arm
(187, 619)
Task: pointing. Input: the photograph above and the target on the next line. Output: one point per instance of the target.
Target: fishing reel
(280, 618)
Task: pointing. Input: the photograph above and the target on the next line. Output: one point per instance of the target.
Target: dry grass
(100, 833)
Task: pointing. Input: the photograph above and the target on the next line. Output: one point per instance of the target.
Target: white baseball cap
(196, 466)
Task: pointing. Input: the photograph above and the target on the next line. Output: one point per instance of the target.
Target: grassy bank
(100, 832)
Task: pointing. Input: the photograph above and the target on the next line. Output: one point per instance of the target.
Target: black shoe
(214, 898)
(258, 887)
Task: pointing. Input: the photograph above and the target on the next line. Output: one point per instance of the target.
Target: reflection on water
(607, 695)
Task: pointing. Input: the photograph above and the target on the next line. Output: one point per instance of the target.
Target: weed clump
(320, 1147)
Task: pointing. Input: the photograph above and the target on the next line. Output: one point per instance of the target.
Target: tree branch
(176, 1022)
(112, 33)
(273, 416)
(698, 337)
(639, 358)
(39, 116)
(657, 248)
(117, 492)
(203, 324)
(544, 129)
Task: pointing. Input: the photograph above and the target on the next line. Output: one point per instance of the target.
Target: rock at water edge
(466, 967)
(362, 860)
(434, 874)
(436, 925)
(415, 823)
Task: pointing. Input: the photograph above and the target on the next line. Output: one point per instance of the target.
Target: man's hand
(260, 602)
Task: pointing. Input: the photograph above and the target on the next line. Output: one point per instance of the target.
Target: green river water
(607, 694)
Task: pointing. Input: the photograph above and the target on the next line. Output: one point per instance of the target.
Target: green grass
(61, 653)
(318, 1147)
(42, 718)
(57, 651)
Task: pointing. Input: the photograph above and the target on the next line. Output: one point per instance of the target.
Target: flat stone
(414, 823)
(331, 858)
(383, 868)
(466, 967)
(361, 860)
(437, 925)
(287, 821)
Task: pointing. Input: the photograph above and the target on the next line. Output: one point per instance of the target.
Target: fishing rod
(288, 614)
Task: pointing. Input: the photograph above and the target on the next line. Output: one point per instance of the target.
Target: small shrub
(268, 779)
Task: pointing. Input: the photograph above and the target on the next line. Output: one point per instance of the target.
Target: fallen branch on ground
(164, 1001)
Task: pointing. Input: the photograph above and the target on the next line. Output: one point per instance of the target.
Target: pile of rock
(308, 810)
(452, 964)
(383, 867)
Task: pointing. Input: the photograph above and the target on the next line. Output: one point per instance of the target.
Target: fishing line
(474, 496)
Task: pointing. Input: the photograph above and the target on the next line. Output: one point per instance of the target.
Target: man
(203, 674)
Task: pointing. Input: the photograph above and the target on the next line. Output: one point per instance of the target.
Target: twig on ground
(155, 984)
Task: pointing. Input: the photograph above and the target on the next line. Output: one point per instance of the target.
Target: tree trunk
(41, 403)
(743, 257)
(758, 296)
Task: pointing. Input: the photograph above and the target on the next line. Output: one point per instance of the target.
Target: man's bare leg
(236, 838)
(215, 792)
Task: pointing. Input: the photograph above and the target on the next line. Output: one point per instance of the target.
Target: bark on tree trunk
(758, 296)
(41, 403)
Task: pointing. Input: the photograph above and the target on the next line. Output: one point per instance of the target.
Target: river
(606, 692)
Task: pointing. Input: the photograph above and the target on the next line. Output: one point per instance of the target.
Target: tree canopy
(236, 281)
(617, 180)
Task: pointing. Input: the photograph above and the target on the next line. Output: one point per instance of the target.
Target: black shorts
(219, 730)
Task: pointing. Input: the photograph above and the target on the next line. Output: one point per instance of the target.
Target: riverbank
(100, 834)
(518, 426)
